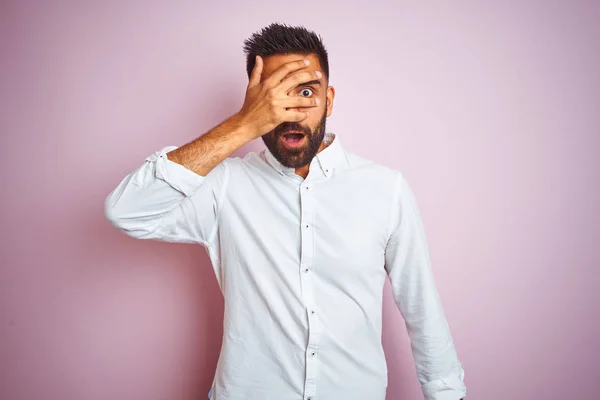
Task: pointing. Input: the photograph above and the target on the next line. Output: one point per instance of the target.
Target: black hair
(284, 39)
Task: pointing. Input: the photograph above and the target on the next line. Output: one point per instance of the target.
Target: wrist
(242, 126)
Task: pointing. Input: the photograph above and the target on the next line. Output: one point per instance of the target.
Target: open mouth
(293, 139)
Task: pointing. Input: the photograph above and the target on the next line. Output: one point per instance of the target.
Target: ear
(330, 96)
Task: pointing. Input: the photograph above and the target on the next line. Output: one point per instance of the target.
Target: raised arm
(165, 200)
(176, 195)
(409, 268)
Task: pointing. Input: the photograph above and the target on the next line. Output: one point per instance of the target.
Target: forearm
(206, 152)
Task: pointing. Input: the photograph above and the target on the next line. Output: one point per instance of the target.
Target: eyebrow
(315, 82)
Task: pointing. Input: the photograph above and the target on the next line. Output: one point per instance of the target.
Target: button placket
(307, 203)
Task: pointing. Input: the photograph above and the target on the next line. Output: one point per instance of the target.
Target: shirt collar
(328, 159)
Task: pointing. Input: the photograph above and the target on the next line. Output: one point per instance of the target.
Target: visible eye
(306, 92)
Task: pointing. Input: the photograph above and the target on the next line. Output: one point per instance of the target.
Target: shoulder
(374, 171)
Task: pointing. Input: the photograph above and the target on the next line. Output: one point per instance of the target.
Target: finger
(298, 102)
(297, 79)
(256, 72)
(283, 71)
(294, 116)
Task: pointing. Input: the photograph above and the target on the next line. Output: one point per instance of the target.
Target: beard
(298, 156)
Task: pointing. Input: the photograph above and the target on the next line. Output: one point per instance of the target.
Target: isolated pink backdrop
(491, 109)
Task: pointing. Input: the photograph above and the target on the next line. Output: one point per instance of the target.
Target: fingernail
(319, 74)
(306, 62)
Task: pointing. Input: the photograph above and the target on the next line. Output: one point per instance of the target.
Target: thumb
(256, 72)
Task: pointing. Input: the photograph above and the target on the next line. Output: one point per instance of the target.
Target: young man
(301, 237)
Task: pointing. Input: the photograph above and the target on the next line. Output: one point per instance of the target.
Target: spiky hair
(280, 38)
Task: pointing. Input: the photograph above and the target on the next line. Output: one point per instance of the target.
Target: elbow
(126, 221)
(113, 214)
(116, 215)
(125, 208)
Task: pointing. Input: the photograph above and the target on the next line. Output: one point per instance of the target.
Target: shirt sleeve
(408, 265)
(165, 201)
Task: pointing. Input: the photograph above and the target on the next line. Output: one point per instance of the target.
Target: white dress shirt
(301, 264)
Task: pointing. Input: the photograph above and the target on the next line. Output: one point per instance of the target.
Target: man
(300, 236)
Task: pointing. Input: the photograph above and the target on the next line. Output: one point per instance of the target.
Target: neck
(303, 170)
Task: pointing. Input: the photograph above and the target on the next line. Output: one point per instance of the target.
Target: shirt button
(313, 354)
(313, 312)
(305, 270)
(306, 226)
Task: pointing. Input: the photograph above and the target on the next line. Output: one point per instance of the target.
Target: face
(280, 141)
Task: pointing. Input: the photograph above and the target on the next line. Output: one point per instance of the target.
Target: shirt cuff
(445, 389)
(179, 177)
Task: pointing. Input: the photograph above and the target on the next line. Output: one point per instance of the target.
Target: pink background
(492, 111)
